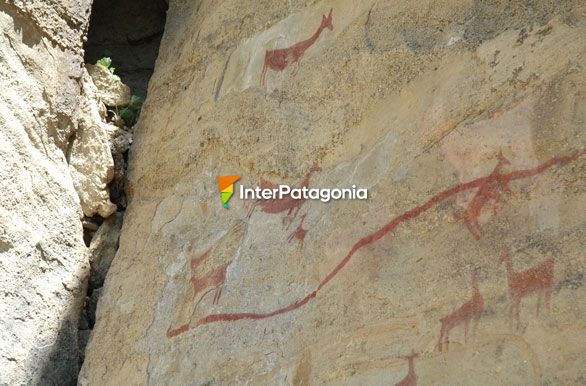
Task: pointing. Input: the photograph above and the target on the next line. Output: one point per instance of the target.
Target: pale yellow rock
(43, 259)
(110, 88)
(417, 101)
(90, 157)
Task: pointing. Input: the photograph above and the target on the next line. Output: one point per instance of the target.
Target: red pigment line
(391, 225)
(178, 331)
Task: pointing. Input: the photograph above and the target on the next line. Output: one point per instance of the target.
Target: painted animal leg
(251, 210)
(473, 228)
(548, 299)
(511, 318)
(440, 341)
(518, 314)
(263, 74)
(218, 294)
(539, 296)
(475, 326)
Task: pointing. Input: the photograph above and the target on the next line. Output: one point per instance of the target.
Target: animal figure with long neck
(489, 191)
(279, 59)
(288, 204)
(299, 233)
(411, 378)
(471, 310)
(537, 279)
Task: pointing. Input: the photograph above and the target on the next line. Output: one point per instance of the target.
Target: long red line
(391, 225)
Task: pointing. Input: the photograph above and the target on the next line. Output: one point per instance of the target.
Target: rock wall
(55, 164)
(464, 119)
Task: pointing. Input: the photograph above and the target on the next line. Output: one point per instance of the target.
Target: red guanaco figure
(411, 378)
(469, 311)
(279, 59)
(538, 279)
(288, 204)
(299, 233)
(489, 191)
(214, 278)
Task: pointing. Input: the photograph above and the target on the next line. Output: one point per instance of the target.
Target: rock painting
(279, 59)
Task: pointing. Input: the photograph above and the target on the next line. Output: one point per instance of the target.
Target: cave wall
(464, 119)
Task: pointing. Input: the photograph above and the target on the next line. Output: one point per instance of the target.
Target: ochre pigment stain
(378, 234)
(299, 233)
(488, 192)
(469, 311)
(279, 59)
(288, 204)
(538, 279)
(411, 378)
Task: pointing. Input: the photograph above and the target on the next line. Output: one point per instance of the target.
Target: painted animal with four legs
(538, 279)
(469, 311)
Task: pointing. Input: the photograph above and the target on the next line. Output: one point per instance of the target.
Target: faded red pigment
(411, 378)
(299, 233)
(375, 236)
(287, 203)
(489, 191)
(279, 59)
(469, 311)
(214, 278)
(538, 279)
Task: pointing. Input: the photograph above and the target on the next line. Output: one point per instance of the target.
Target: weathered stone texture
(54, 161)
(466, 122)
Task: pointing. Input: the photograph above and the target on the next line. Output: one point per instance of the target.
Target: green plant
(106, 62)
(131, 112)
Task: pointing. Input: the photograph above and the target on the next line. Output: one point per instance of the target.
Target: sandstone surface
(55, 164)
(465, 120)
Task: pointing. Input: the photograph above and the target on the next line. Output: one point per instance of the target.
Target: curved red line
(391, 225)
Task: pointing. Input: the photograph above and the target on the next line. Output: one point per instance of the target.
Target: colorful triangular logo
(226, 185)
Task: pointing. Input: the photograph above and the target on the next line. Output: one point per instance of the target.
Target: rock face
(43, 260)
(110, 88)
(56, 161)
(465, 120)
(89, 156)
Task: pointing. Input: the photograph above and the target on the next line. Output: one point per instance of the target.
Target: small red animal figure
(471, 310)
(279, 59)
(214, 278)
(411, 378)
(288, 204)
(299, 233)
(538, 279)
(489, 191)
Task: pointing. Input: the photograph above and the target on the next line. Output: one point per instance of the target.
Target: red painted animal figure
(288, 204)
(469, 311)
(411, 378)
(490, 190)
(279, 59)
(299, 233)
(538, 279)
(213, 278)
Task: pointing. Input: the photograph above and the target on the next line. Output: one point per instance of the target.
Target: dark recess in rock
(130, 33)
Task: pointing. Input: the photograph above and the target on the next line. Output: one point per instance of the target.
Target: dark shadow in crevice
(61, 366)
(129, 32)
